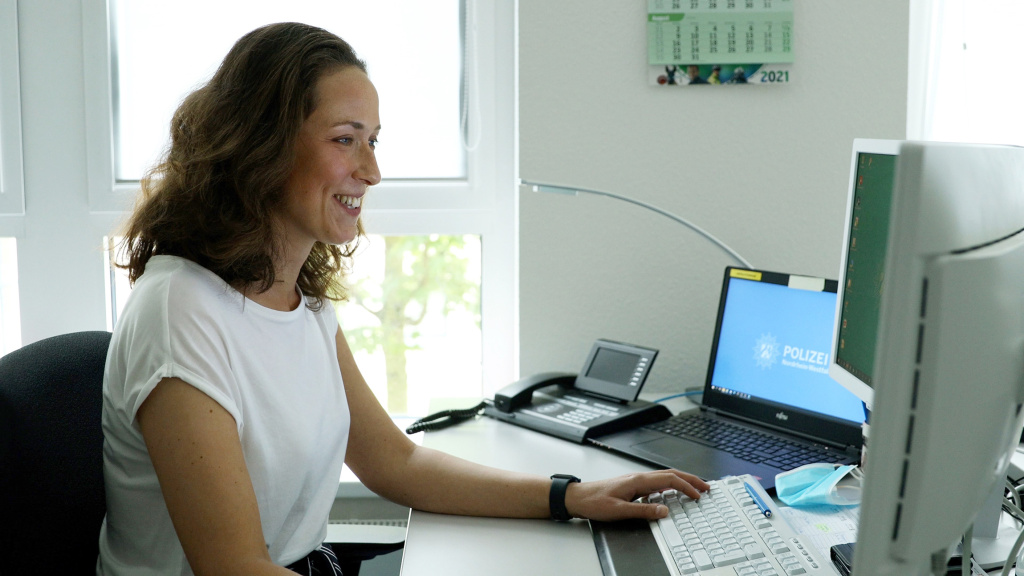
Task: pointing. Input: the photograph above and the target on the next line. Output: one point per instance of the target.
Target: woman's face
(334, 162)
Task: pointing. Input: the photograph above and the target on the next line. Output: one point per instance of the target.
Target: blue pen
(757, 500)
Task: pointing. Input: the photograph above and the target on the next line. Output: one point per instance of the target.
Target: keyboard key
(702, 560)
(753, 551)
(728, 558)
(670, 533)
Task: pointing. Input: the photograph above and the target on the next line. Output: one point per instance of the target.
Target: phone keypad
(579, 411)
(574, 410)
(579, 416)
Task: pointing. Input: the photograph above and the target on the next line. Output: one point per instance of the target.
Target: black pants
(319, 562)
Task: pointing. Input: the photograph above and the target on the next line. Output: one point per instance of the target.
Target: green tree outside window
(423, 275)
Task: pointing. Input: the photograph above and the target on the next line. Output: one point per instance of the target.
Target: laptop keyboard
(725, 533)
(745, 443)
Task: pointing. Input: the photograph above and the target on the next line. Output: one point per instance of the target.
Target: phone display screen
(613, 366)
(616, 370)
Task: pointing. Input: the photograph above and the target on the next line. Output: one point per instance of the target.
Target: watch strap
(556, 498)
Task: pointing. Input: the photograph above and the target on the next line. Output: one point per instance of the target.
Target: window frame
(484, 203)
(12, 179)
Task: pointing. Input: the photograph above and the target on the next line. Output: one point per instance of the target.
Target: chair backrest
(52, 498)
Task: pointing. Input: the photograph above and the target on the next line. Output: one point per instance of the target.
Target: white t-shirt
(275, 372)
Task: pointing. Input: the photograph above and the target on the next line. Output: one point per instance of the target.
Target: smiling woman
(334, 163)
(224, 367)
(231, 395)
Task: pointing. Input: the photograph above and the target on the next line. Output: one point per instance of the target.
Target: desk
(438, 544)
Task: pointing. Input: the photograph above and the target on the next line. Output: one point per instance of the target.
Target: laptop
(769, 404)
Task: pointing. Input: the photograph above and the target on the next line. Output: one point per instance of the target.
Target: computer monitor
(944, 359)
(872, 178)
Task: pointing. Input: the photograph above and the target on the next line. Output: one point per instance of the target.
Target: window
(11, 182)
(966, 73)
(116, 284)
(418, 53)
(413, 318)
(437, 189)
(12, 203)
(10, 317)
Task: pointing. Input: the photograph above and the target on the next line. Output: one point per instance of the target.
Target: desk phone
(601, 399)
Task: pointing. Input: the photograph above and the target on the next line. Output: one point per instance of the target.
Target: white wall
(765, 168)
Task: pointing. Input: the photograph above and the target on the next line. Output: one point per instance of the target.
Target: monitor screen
(862, 272)
(865, 264)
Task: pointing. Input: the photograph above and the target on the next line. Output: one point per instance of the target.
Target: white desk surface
(437, 544)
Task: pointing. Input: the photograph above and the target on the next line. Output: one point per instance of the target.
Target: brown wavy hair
(213, 196)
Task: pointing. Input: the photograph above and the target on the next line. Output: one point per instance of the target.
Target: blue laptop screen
(774, 344)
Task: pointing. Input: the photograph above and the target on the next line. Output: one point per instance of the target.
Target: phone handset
(520, 393)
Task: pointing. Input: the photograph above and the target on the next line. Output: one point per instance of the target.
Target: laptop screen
(773, 345)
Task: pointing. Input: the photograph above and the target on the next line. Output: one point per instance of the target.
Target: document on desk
(824, 526)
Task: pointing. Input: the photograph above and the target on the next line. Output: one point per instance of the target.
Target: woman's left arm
(391, 465)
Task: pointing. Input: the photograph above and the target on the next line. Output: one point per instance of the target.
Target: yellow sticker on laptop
(745, 274)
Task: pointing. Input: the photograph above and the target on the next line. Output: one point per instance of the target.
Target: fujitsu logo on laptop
(782, 416)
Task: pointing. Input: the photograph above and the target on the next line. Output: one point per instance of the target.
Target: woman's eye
(374, 142)
(343, 140)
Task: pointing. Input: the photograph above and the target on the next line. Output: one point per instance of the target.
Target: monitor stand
(995, 532)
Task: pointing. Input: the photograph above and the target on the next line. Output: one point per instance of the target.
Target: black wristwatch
(556, 499)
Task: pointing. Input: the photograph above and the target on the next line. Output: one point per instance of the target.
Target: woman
(231, 398)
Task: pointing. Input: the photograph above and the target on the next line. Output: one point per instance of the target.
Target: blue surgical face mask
(819, 484)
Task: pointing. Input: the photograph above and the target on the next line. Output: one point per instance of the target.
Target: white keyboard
(726, 534)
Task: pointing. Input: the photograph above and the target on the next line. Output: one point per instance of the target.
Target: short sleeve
(170, 329)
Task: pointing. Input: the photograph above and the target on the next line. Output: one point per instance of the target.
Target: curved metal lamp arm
(573, 191)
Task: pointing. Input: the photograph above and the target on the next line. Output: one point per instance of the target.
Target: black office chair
(52, 499)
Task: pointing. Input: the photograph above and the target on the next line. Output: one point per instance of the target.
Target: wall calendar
(719, 41)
